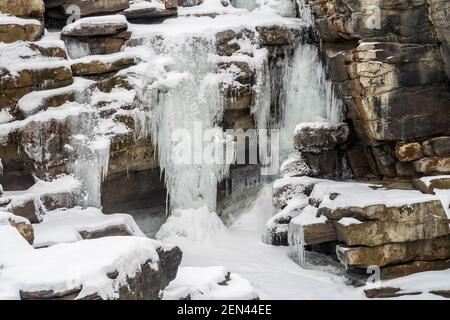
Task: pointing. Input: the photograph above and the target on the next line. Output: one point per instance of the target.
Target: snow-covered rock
(107, 268)
(210, 283)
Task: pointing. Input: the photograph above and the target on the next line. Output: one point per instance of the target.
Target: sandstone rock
(428, 184)
(14, 84)
(393, 78)
(318, 137)
(384, 160)
(170, 4)
(409, 213)
(433, 165)
(380, 20)
(145, 15)
(402, 270)
(91, 27)
(408, 151)
(374, 233)
(238, 119)
(439, 146)
(387, 292)
(238, 93)
(442, 293)
(22, 225)
(30, 209)
(27, 30)
(424, 250)
(286, 189)
(226, 43)
(23, 8)
(439, 14)
(87, 7)
(99, 66)
(79, 47)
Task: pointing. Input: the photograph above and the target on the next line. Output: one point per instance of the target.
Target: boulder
(146, 15)
(374, 233)
(238, 89)
(439, 146)
(22, 225)
(96, 26)
(428, 184)
(317, 137)
(87, 7)
(78, 47)
(97, 66)
(402, 270)
(433, 165)
(423, 250)
(33, 74)
(388, 292)
(15, 29)
(408, 151)
(23, 8)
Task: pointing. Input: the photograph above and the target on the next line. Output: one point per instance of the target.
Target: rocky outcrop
(394, 81)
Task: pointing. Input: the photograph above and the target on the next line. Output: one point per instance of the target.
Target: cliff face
(389, 61)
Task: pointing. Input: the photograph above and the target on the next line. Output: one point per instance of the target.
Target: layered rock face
(394, 81)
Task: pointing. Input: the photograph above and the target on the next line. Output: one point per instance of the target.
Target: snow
(192, 225)
(7, 19)
(6, 217)
(5, 116)
(362, 195)
(203, 284)
(34, 101)
(209, 7)
(61, 184)
(63, 226)
(308, 217)
(94, 21)
(18, 56)
(269, 269)
(428, 180)
(69, 109)
(349, 221)
(83, 264)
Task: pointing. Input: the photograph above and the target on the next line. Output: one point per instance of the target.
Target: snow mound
(209, 283)
(191, 225)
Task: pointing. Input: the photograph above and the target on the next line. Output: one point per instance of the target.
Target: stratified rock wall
(389, 62)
